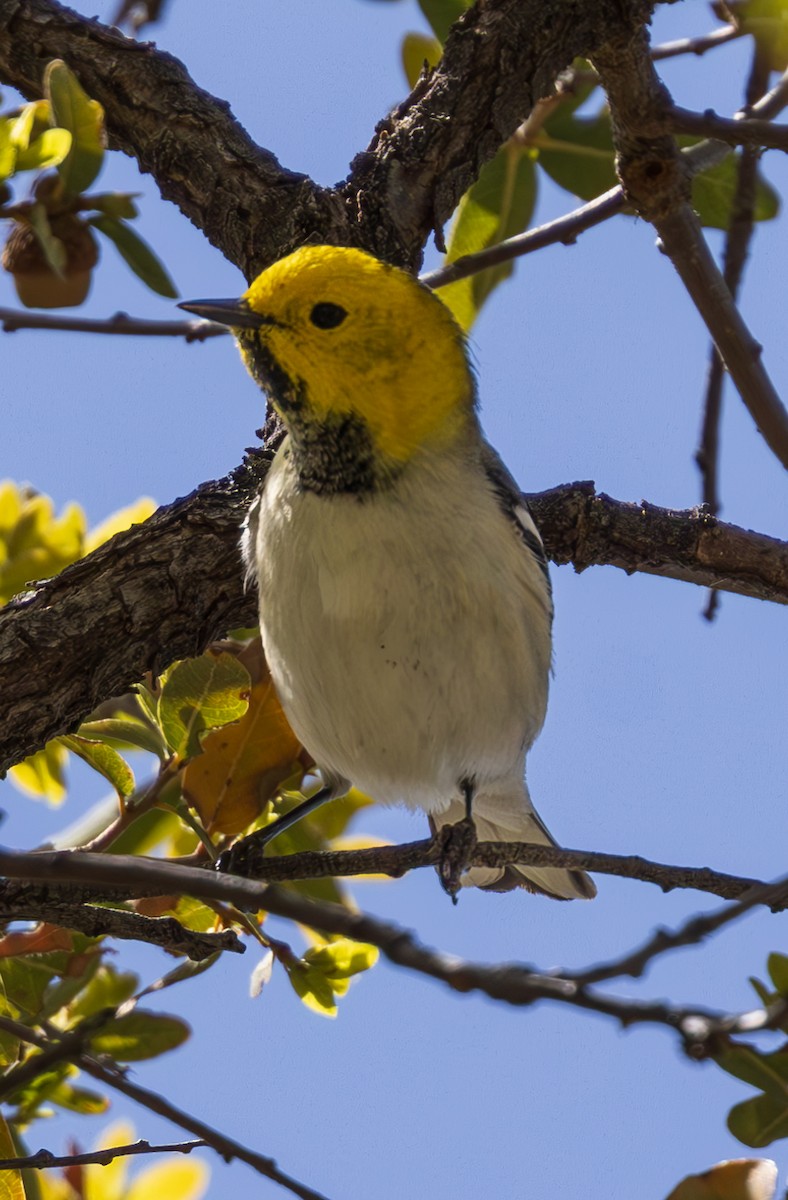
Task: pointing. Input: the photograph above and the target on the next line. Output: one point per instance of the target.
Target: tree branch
(741, 131)
(72, 1046)
(45, 1160)
(655, 180)
(75, 874)
(12, 319)
(513, 984)
(165, 589)
(166, 932)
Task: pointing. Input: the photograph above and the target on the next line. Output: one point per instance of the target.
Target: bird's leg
(245, 856)
(459, 843)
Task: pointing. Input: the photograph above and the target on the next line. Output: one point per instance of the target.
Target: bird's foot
(458, 843)
(245, 857)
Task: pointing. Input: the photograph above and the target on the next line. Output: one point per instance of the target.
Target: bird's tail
(516, 826)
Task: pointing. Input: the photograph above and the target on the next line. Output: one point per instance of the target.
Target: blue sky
(665, 735)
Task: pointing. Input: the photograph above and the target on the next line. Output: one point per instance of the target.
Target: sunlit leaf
(311, 985)
(11, 1186)
(115, 204)
(31, 122)
(125, 733)
(8, 149)
(42, 775)
(48, 150)
(176, 1177)
(342, 958)
(187, 969)
(139, 1035)
(735, 1179)
(442, 14)
(418, 49)
(242, 764)
(138, 254)
(72, 109)
(103, 759)
(261, 975)
(106, 988)
(118, 522)
(51, 246)
(34, 543)
(200, 694)
(499, 205)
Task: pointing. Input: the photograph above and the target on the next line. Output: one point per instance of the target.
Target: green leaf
(103, 759)
(185, 970)
(11, 1186)
(48, 150)
(137, 254)
(343, 958)
(777, 966)
(311, 985)
(78, 1099)
(201, 694)
(24, 981)
(115, 204)
(7, 149)
(125, 733)
(418, 49)
(140, 1035)
(498, 206)
(768, 1072)
(31, 122)
(759, 1121)
(578, 152)
(73, 110)
(43, 774)
(442, 14)
(53, 248)
(106, 988)
(713, 193)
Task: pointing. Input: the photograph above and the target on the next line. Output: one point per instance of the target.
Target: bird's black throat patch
(334, 456)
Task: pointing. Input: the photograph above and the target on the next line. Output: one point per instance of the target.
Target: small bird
(405, 601)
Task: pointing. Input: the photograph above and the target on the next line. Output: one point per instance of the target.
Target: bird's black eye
(327, 315)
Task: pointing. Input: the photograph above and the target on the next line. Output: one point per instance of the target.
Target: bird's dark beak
(227, 312)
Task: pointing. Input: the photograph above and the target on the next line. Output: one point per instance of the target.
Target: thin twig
(697, 45)
(737, 244)
(166, 932)
(742, 131)
(693, 931)
(68, 1046)
(44, 1160)
(12, 319)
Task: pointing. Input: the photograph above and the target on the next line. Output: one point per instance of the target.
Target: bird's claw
(458, 843)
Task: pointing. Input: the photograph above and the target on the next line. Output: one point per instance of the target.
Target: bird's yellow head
(332, 334)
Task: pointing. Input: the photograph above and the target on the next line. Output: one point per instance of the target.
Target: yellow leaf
(11, 1186)
(109, 1182)
(735, 1179)
(242, 764)
(176, 1178)
(34, 543)
(124, 518)
(42, 775)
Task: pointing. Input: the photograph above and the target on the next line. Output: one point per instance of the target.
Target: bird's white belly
(407, 653)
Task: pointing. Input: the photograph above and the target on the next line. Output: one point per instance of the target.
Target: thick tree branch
(501, 57)
(165, 589)
(743, 131)
(201, 158)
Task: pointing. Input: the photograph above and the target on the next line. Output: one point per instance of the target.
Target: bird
(404, 594)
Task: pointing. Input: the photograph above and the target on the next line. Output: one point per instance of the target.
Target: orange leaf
(40, 940)
(242, 764)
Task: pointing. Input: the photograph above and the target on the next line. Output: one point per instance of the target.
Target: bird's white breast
(408, 632)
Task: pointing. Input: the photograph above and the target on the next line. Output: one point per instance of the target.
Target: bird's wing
(510, 498)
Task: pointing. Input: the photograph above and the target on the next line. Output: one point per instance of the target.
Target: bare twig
(44, 1159)
(655, 179)
(71, 1045)
(697, 45)
(737, 243)
(741, 131)
(166, 932)
(693, 931)
(12, 319)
